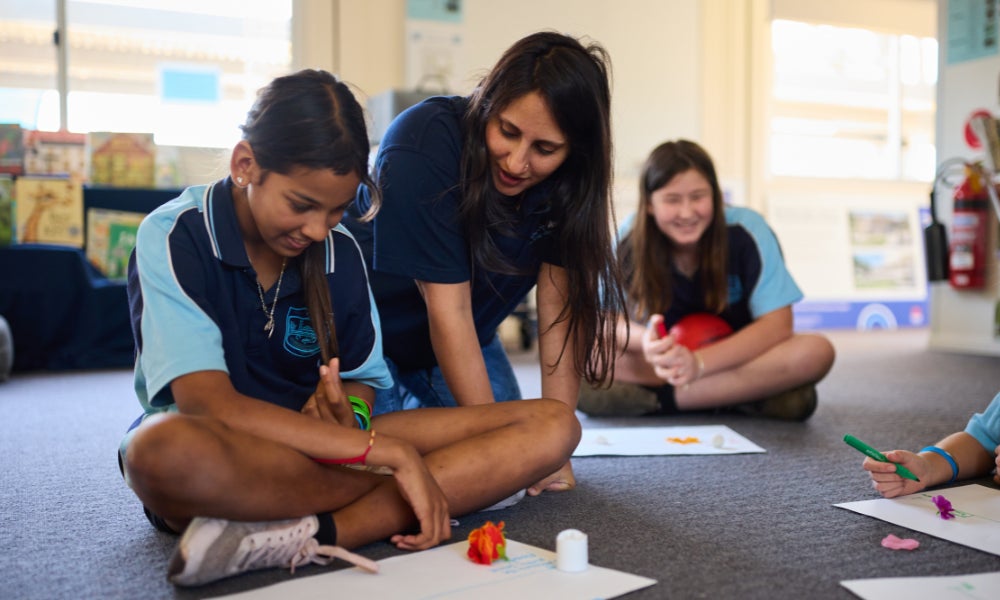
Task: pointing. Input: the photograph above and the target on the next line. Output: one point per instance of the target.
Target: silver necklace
(269, 326)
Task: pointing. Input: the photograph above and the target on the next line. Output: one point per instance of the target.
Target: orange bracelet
(361, 458)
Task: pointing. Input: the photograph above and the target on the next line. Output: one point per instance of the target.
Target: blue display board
(863, 316)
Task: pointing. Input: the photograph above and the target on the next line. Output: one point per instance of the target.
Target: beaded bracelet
(361, 412)
(947, 456)
(361, 458)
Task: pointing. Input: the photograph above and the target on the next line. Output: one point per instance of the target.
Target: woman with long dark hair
(484, 198)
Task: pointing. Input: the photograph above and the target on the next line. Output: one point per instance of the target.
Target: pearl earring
(239, 180)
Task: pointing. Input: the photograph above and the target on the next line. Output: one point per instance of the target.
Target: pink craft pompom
(894, 543)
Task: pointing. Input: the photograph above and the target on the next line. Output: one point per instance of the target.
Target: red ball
(700, 329)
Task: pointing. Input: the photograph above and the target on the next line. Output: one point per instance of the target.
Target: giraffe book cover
(48, 210)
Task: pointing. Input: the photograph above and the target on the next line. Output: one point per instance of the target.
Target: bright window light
(185, 70)
(851, 103)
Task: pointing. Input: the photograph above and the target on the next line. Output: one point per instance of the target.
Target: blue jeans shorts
(421, 388)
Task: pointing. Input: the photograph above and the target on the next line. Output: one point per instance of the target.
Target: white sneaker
(508, 501)
(212, 549)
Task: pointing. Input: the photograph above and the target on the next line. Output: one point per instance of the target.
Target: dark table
(63, 313)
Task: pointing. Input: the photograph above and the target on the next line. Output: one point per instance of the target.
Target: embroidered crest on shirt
(300, 337)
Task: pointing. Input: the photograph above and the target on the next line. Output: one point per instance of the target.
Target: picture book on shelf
(122, 159)
(11, 148)
(110, 239)
(55, 153)
(6, 209)
(48, 210)
(168, 161)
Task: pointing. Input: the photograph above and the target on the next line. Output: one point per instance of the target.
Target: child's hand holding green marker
(875, 454)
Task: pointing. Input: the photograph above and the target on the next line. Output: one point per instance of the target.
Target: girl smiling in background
(685, 252)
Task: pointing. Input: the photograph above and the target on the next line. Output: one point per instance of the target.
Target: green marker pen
(873, 453)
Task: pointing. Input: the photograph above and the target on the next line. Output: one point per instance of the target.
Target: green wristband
(361, 412)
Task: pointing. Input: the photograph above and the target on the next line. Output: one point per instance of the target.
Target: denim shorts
(154, 519)
(421, 388)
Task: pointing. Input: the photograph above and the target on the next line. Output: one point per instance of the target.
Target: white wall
(697, 69)
(655, 53)
(654, 47)
(681, 68)
(915, 16)
(964, 320)
(359, 40)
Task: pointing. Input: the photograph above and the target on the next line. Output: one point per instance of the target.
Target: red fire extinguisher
(967, 250)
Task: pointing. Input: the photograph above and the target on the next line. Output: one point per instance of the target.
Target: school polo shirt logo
(300, 337)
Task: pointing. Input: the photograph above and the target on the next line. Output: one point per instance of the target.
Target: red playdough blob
(700, 329)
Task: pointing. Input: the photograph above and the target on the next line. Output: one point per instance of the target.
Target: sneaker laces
(293, 549)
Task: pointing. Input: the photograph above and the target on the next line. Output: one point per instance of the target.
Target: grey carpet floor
(744, 526)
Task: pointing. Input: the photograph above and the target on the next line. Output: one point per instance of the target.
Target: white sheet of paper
(655, 441)
(446, 572)
(981, 586)
(977, 515)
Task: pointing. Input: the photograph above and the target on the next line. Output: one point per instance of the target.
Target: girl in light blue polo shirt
(685, 253)
(259, 353)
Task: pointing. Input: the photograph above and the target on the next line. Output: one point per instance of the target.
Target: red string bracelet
(361, 458)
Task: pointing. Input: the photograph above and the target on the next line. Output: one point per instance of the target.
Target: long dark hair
(650, 255)
(311, 119)
(573, 80)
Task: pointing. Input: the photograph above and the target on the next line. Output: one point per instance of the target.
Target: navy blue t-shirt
(757, 277)
(418, 234)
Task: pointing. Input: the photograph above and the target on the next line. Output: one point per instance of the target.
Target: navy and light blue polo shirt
(195, 307)
(758, 280)
(418, 233)
(985, 426)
